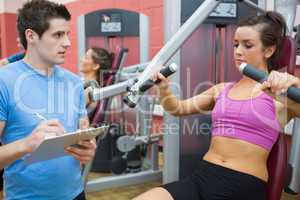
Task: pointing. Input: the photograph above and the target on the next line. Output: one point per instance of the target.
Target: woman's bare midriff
(238, 155)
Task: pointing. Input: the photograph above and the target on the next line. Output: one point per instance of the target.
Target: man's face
(53, 44)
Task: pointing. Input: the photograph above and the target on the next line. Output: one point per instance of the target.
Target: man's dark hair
(36, 15)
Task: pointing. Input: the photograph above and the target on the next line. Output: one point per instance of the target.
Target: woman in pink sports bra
(246, 120)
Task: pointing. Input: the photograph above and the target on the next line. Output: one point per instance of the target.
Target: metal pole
(253, 5)
(172, 12)
(288, 9)
(177, 40)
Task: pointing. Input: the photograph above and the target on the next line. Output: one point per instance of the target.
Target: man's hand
(49, 128)
(85, 152)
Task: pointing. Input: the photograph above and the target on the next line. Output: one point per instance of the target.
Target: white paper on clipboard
(55, 146)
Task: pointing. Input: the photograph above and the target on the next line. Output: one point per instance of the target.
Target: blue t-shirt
(23, 93)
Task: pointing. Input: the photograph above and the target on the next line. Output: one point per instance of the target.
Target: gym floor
(123, 193)
(127, 193)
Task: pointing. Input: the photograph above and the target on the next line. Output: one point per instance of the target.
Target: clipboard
(54, 147)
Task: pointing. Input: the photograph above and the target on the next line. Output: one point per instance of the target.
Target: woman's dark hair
(272, 29)
(36, 15)
(103, 58)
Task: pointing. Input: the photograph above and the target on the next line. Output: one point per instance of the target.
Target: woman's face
(249, 48)
(87, 64)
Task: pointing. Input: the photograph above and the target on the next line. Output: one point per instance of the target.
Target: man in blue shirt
(37, 86)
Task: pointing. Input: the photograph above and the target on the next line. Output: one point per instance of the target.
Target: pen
(40, 116)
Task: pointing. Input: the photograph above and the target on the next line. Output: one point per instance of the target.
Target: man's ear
(31, 36)
(269, 51)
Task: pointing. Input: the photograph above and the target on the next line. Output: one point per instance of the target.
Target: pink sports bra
(252, 120)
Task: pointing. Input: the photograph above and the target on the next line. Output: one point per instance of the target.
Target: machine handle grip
(292, 93)
(166, 71)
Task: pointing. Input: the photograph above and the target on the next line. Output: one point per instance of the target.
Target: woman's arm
(201, 103)
(87, 96)
(277, 84)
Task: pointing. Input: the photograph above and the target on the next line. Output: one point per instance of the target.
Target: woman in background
(95, 67)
